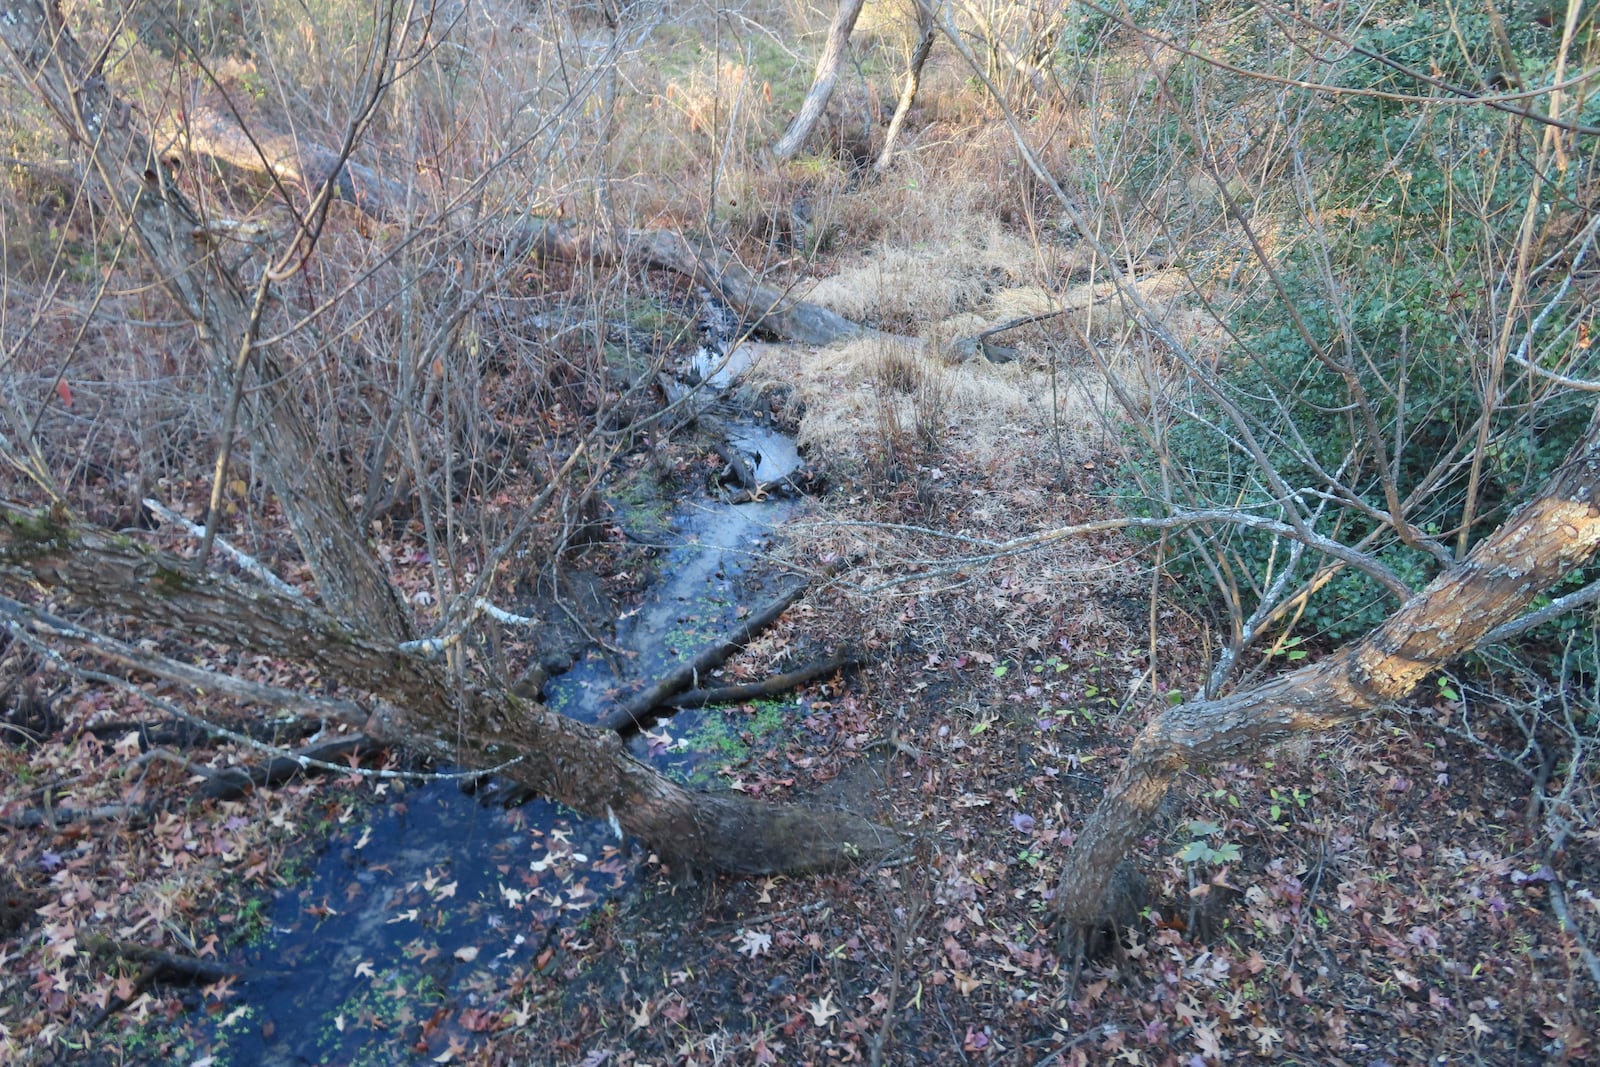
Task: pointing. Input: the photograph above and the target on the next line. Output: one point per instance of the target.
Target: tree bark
(356, 642)
(1544, 541)
(908, 94)
(816, 101)
(415, 705)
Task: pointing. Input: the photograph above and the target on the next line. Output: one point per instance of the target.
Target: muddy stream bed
(403, 937)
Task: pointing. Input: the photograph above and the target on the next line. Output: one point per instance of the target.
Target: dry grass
(948, 263)
(988, 413)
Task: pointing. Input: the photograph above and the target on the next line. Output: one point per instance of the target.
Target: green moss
(729, 736)
(35, 533)
(170, 580)
(641, 504)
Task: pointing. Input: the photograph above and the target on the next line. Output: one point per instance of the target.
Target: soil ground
(1374, 897)
(1379, 897)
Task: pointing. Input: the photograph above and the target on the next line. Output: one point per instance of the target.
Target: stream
(402, 939)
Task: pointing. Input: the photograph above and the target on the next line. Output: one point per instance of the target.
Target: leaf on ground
(822, 1010)
(753, 943)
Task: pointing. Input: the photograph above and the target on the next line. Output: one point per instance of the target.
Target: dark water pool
(411, 935)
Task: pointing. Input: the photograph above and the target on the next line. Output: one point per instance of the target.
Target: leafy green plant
(1285, 801)
(1359, 361)
(1205, 844)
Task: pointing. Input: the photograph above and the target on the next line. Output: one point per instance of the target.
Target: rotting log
(1545, 540)
(217, 133)
(636, 712)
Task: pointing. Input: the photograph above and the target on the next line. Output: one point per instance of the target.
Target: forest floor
(1374, 898)
(1371, 898)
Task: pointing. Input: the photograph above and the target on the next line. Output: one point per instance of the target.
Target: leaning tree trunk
(1540, 544)
(413, 703)
(185, 258)
(908, 93)
(358, 643)
(816, 101)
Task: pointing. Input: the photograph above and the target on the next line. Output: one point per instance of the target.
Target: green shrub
(1417, 208)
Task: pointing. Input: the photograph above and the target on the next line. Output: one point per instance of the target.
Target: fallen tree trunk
(289, 160)
(362, 641)
(416, 706)
(777, 683)
(1544, 541)
(635, 712)
(217, 133)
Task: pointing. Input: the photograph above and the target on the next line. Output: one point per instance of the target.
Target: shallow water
(406, 938)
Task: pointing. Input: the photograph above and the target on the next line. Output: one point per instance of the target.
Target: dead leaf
(822, 1010)
(752, 943)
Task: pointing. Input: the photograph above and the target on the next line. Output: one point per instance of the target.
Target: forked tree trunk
(1543, 542)
(358, 643)
(816, 101)
(908, 93)
(179, 247)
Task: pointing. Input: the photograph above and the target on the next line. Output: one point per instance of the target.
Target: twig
(1553, 610)
(235, 782)
(1044, 538)
(1558, 904)
(433, 646)
(246, 562)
